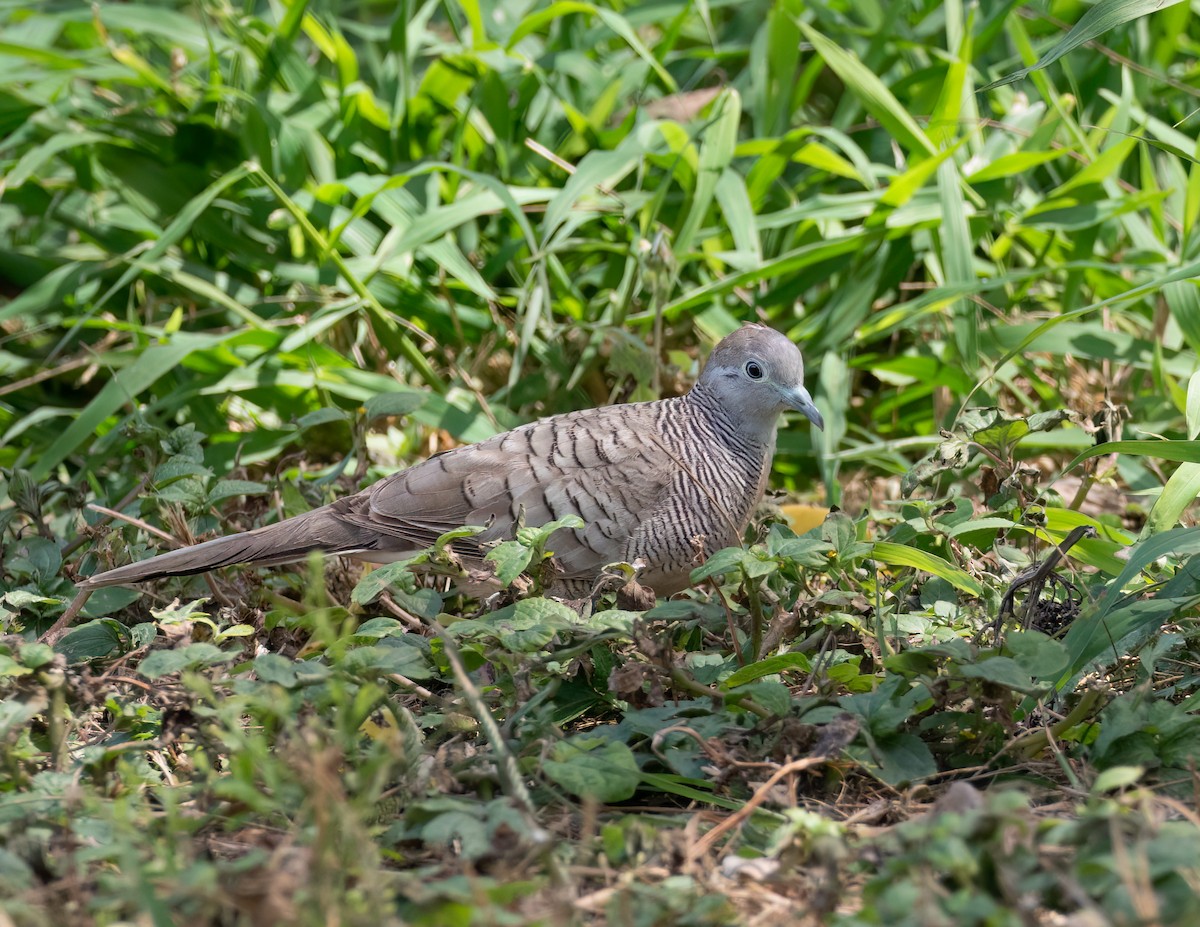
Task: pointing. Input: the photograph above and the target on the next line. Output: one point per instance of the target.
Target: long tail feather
(285, 542)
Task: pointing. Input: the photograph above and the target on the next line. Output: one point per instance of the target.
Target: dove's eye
(754, 370)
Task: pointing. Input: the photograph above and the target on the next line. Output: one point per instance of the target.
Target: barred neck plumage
(749, 437)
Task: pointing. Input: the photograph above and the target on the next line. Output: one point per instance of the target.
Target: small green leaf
(951, 454)
(406, 656)
(899, 760)
(179, 468)
(142, 634)
(529, 625)
(237, 630)
(1038, 655)
(1003, 671)
(420, 601)
(467, 831)
(387, 405)
(395, 575)
(18, 599)
(811, 553)
(724, 561)
(272, 667)
(228, 489)
(841, 531)
(466, 531)
(595, 768)
(10, 667)
(1117, 777)
(321, 417)
(511, 558)
(35, 557)
(778, 663)
(775, 697)
(376, 628)
(176, 613)
(35, 656)
(90, 640)
(164, 662)
(536, 536)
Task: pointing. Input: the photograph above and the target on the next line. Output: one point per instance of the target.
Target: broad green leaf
(1180, 491)
(897, 760)
(900, 555)
(458, 829)
(112, 599)
(778, 663)
(993, 523)
(15, 713)
(163, 662)
(1037, 655)
(947, 113)
(49, 291)
(1192, 409)
(788, 263)
(393, 404)
(34, 557)
(1183, 298)
(273, 667)
(90, 640)
(40, 55)
(171, 235)
(510, 558)
(1003, 671)
(823, 158)
(1179, 451)
(775, 697)
(739, 214)
(406, 656)
(1117, 778)
(591, 767)
(1094, 633)
(902, 188)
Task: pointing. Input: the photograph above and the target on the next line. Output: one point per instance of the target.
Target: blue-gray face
(758, 373)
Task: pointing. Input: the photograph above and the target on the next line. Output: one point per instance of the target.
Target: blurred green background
(239, 215)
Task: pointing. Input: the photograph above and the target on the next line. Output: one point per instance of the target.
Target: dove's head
(755, 374)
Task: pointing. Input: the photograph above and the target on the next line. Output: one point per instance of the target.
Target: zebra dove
(664, 482)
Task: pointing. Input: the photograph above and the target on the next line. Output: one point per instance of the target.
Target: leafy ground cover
(253, 257)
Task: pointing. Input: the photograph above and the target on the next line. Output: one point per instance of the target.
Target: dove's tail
(287, 541)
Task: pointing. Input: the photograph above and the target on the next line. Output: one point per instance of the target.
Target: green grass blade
(872, 93)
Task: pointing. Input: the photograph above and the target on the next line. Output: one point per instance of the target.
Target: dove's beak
(799, 399)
